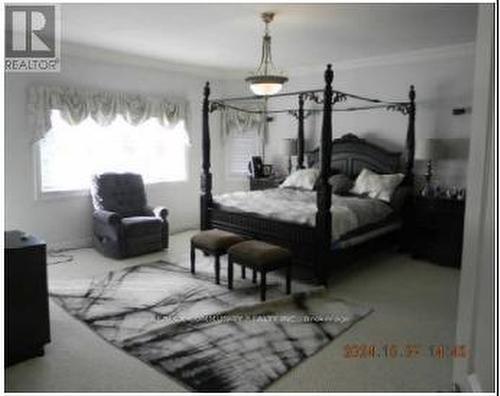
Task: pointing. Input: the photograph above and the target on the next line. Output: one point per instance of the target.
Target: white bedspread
(299, 206)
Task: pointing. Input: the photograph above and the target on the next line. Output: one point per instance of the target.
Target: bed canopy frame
(311, 243)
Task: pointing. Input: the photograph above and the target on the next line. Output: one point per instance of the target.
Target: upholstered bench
(260, 257)
(213, 243)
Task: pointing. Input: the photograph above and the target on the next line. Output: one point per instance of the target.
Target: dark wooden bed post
(324, 191)
(410, 137)
(300, 134)
(206, 176)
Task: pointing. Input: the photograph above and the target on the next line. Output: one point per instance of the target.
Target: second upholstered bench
(260, 257)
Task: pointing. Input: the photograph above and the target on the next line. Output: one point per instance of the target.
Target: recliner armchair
(123, 224)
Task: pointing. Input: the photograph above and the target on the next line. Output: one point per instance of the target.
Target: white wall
(476, 305)
(443, 80)
(67, 221)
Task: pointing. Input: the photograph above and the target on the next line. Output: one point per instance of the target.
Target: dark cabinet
(27, 327)
(437, 230)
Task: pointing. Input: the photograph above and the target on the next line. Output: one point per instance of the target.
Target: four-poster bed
(311, 244)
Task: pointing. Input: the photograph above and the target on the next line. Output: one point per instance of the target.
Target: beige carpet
(414, 303)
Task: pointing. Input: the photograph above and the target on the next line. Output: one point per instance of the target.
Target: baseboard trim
(87, 242)
(71, 244)
(178, 230)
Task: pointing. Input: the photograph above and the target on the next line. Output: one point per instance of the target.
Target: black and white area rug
(205, 336)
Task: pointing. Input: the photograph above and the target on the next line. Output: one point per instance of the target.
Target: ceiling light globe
(265, 89)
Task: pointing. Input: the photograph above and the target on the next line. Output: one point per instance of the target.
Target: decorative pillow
(341, 184)
(303, 178)
(376, 186)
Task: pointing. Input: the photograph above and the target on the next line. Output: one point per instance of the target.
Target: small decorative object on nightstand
(263, 183)
(437, 228)
(267, 170)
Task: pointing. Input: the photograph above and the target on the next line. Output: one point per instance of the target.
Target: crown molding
(76, 50)
(70, 49)
(401, 58)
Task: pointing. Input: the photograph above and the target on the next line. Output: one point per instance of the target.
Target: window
(71, 155)
(239, 151)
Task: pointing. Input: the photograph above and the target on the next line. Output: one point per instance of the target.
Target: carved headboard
(350, 154)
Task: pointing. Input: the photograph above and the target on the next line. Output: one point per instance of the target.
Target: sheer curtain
(243, 137)
(71, 154)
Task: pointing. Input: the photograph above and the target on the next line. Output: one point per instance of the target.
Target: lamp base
(427, 191)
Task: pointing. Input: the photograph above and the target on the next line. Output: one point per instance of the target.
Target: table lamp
(425, 150)
(290, 149)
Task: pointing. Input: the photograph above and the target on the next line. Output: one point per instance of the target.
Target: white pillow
(303, 178)
(377, 186)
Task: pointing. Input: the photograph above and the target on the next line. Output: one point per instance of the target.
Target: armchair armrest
(158, 211)
(107, 217)
(161, 212)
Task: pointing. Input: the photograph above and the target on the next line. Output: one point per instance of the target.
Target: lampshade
(442, 149)
(454, 148)
(423, 149)
(290, 147)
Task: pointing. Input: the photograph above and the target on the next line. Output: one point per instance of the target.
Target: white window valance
(76, 104)
(240, 122)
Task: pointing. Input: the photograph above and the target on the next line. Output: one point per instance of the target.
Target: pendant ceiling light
(266, 80)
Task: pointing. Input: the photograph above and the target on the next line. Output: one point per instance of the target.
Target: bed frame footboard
(299, 238)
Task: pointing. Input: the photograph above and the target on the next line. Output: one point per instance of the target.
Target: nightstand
(263, 183)
(437, 230)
